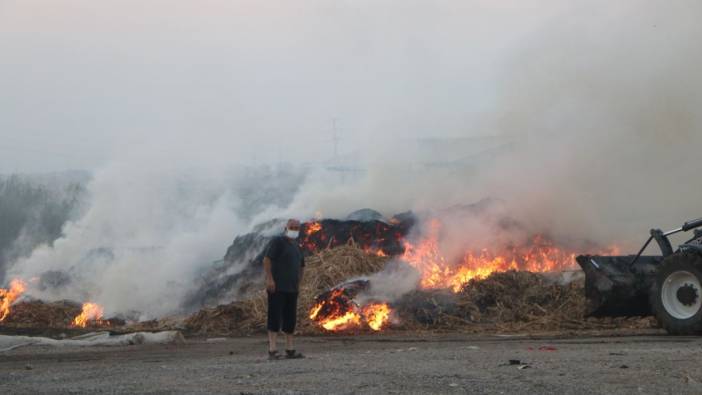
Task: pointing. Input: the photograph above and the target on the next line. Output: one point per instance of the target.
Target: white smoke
(593, 133)
(140, 243)
(395, 280)
(581, 118)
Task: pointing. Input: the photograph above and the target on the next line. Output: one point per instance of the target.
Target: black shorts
(282, 311)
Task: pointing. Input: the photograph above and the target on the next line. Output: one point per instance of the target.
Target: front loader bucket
(614, 289)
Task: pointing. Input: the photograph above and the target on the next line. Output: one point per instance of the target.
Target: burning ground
(502, 302)
(367, 274)
(29, 315)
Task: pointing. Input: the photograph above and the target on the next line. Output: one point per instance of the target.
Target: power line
(335, 138)
(13, 148)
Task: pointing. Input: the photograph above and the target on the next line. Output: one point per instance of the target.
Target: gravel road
(386, 363)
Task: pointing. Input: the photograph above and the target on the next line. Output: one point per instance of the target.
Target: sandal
(273, 356)
(292, 354)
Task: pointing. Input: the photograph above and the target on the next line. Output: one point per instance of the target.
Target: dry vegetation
(504, 302)
(508, 302)
(40, 314)
(324, 270)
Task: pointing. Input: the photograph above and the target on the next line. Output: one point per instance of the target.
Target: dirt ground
(401, 363)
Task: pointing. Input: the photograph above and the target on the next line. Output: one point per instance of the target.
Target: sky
(84, 82)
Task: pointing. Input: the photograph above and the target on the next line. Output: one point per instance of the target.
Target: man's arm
(272, 252)
(302, 270)
(302, 274)
(270, 283)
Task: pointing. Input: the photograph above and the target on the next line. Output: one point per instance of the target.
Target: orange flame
(92, 313)
(336, 311)
(315, 310)
(377, 315)
(10, 295)
(340, 313)
(539, 255)
(374, 251)
(313, 228)
(337, 320)
(346, 321)
(306, 241)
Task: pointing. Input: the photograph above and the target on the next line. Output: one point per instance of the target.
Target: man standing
(284, 266)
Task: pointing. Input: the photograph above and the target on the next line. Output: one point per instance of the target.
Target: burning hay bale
(322, 272)
(336, 308)
(339, 309)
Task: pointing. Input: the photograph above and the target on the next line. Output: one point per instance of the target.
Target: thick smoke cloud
(605, 104)
(147, 234)
(581, 119)
(596, 129)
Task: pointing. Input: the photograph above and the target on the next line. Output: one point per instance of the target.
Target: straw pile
(508, 302)
(41, 314)
(322, 271)
(503, 302)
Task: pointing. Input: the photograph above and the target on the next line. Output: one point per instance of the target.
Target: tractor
(666, 286)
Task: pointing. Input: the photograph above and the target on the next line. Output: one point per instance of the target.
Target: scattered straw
(322, 271)
(503, 302)
(509, 302)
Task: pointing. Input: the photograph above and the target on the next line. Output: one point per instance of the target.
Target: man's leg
(275, 310)
(289, 341)
(289, 321)
(272, 341)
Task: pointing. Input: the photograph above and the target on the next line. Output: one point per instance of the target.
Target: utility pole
(335, 138)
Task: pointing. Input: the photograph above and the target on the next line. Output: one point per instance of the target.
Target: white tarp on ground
(93, 339)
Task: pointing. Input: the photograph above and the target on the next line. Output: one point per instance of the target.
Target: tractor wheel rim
(670, 292)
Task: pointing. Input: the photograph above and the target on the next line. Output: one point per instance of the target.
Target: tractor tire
(676, 298)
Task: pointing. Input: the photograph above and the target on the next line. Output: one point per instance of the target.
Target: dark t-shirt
(286, 263)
